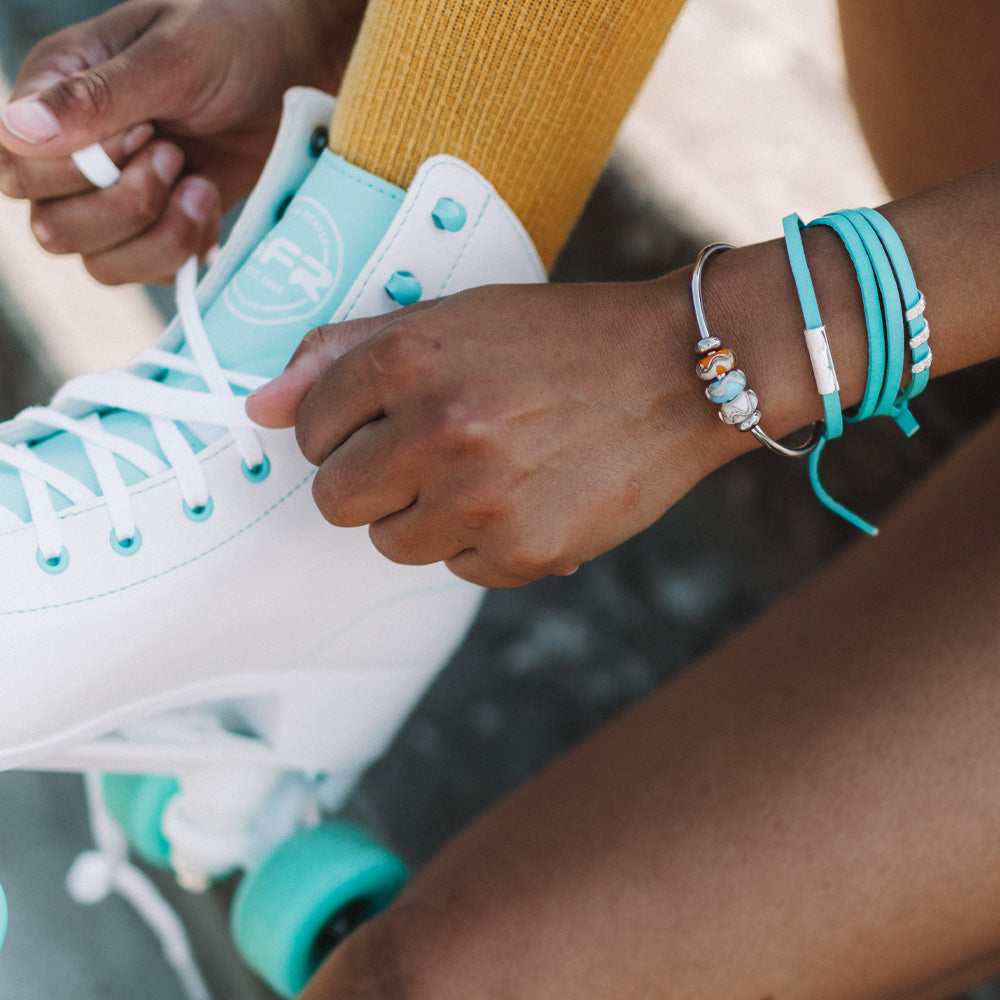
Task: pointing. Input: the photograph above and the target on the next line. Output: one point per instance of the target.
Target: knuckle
(313, 341)
(334, 501)
(310, 444)
(397, 546)
(50, 238)
(12, 180)
(455, 429)
(142, 201)
(86, 95)
(479, 502)
(398, 353)
(103, 271)
(532, 560)
(381, 960)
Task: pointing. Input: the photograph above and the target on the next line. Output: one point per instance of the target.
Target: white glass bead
(740, 408)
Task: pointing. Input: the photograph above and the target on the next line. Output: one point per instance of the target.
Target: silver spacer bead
(917, 310)
(922, 366)
(750, 423)
(707, 344)
(922, 337)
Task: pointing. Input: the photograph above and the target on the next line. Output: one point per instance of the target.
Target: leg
(925, 81)
(531, 95)
(809, 812)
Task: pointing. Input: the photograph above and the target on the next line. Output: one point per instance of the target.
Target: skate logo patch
(293, 273)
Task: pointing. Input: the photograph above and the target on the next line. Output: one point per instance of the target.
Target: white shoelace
(136, 390)
(96, 874)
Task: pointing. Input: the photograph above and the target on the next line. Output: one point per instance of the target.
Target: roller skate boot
(171, 601)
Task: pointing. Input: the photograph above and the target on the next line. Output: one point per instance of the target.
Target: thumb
(276, 403)
(75, 89)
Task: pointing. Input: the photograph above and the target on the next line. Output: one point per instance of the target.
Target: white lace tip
(95, 164)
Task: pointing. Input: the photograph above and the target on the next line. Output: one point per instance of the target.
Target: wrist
(318, 39)
(752, 306)
(691, 423)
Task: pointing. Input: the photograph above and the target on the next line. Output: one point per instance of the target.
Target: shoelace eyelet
(200, 513)
(318, 141)
(279, 212)
(126, 546)
(53, 566)
(259, 472)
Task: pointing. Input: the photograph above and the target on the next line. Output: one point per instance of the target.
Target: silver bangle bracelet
(727, 383)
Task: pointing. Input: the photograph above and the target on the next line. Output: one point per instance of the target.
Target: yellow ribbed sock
(529, 93)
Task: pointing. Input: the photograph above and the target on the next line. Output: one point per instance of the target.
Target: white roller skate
(172, 603)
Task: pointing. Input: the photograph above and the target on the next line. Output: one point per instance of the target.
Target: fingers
(141, 228)
(95, 80)
(469, 565)
(97, 220)
(368, 478)
(38, 180)
(188, 225)
(277, 404)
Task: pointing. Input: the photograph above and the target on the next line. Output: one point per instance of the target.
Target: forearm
(326, 30)
(809, 812)
(925, 80)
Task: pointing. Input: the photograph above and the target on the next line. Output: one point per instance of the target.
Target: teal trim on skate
(292, 281)
(302, 269)
(137, 803)
(283, 918)
(3, 916)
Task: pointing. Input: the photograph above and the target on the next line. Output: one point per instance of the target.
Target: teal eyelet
(53, 566)
(404, 288)
(126, 546)
(279, 212)
(259, 472)
(200, 513)
(448, 214)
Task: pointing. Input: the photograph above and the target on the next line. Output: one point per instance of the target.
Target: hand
(186, 99)
(510, 431)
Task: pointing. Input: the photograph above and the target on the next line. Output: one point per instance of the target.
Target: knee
(384, 959)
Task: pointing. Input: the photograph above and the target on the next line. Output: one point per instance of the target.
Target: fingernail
(167, 163)
(197, 200)
(137, 137)
(41, 232)
(30, 120)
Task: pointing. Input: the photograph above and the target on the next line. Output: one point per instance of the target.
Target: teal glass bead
(728, 387)
(403, 288)
(448, 214)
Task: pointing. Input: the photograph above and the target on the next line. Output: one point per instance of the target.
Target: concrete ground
(744, 119)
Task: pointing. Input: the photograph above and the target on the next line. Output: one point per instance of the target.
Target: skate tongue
(299, 273)
(293, 280)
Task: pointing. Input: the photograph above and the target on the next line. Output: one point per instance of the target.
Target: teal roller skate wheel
(309, 894)
(137, 802)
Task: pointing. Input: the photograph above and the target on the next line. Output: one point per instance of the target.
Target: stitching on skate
(147, 484)
(335, 165)
(465, 246)
(399, 231)
(171, 569)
